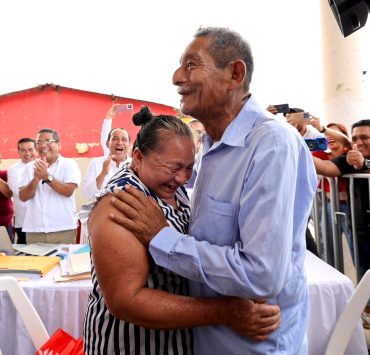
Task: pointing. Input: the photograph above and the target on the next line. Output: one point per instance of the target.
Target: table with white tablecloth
(329, 291)
(60, 305)
(63, 305)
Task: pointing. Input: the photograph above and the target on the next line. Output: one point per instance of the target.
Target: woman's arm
(336, 135)
(4, 189)
(121, 264)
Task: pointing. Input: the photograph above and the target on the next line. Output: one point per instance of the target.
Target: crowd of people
(223, 274)
(345, 155)
(37, 193)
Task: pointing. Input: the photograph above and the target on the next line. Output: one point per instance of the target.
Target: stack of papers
(37, 248)
(75, 267)
(32, 267)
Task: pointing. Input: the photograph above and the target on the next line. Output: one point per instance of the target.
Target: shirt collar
(239, 127)
(56, 161)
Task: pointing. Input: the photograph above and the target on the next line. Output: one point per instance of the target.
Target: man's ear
(238, 71)
(107, 143)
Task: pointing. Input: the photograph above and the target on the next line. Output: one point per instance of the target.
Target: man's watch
(366, 164)
(48, 180)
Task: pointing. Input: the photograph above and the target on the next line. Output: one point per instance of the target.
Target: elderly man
(27, 153)
(103, 168)
(252, 197)
(49, 184)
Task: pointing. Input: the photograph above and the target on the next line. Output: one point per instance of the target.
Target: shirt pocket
(221, 222)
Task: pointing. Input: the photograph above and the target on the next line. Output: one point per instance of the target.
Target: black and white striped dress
(105, 334)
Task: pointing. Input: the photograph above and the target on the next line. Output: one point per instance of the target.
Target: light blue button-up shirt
(250, 207)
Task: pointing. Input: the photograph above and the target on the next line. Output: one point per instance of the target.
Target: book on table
(32, 267)
(75, 267)
(79, 263)
(36, 248)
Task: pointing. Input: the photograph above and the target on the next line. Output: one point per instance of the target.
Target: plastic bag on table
(62, 343)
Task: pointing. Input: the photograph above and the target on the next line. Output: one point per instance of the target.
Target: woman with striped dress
(136, 306)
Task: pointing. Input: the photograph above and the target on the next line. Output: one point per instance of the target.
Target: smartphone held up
(124, 108)
(282, 108)
(298, 117)
(317, 144)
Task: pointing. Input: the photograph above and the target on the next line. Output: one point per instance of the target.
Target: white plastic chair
(27, 312)
(349, 318)
(3, 232)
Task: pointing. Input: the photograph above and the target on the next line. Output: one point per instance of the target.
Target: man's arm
(13, 179)
(90, 184)
(333, 133)
(104, 172)
(121, 264)
(28, 182)
(71, 178)
(106, 128)
(28, 191)
(257, 264)
(65, 189)
(62, 188)
(326, 167)
(31, 177)
(339, 137)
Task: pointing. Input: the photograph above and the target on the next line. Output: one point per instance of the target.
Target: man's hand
(272, 109)
(112, 112)
(41, 169)
(138, 213)
(295, 120)
(355, 158)
(255, 319)
(315, 122)
(106, 164)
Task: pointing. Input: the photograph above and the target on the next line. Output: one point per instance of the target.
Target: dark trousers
(10, 231)
(310, 243)
(21, 236)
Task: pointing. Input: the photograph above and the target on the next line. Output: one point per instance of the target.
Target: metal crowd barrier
(319, 214)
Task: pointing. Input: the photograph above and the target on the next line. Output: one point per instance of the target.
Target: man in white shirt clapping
(49, 184)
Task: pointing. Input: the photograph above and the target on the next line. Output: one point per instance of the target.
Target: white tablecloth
(329, 291)
(62, 305)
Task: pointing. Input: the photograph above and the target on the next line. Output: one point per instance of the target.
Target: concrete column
(342, 71)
